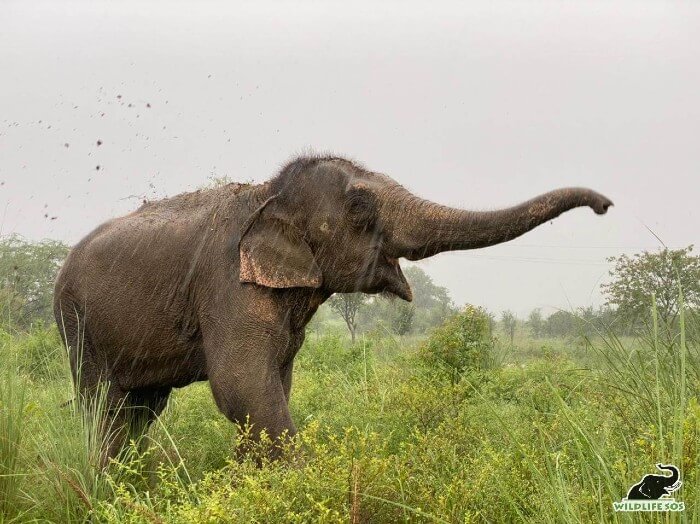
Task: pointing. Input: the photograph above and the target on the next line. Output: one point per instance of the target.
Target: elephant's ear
(274, 254)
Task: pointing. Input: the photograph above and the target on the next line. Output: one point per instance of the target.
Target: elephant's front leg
(247, 386)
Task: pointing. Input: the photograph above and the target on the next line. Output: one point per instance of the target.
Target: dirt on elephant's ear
(286, 274)
(249, 270)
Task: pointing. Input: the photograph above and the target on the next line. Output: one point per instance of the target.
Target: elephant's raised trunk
(675, 474)
(420, 228)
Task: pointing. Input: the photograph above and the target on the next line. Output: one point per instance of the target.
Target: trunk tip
(601, 204)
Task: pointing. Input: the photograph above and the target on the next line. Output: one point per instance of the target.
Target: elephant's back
(126, 279)
(136, 279)
(132, 267)
(139, 252)
(159, 230)
(154, 240)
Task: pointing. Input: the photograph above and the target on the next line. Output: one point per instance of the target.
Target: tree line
(667, 278)
(640, 286)
(430, 307)
(584, 321)
(27, 274)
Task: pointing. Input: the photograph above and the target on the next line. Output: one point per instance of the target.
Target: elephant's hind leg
(81, 351)
(133, 415)
(143, 407)
(120, 415)
(94, 396)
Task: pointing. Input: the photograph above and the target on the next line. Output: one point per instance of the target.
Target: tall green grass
(50, 446)
(649, 388)
(13, 408)
(554, 431)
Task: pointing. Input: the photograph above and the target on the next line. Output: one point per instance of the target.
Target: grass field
(548, 430)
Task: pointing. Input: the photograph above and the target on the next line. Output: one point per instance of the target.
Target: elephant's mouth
(395, 281)
(382, 274)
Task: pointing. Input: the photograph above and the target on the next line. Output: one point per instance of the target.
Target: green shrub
(327, 351)
(462, 343)
(40, 354)
(554, 435)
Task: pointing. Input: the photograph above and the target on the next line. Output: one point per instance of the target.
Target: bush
(40, 353)
(555, 434)
(462, 343)
(27, 275)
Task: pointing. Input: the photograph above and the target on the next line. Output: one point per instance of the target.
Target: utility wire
(542, 260)
(648, 248)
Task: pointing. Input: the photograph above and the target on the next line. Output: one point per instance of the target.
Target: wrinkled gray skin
(219, 284)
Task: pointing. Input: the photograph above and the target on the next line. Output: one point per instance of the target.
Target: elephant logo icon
(653, 487)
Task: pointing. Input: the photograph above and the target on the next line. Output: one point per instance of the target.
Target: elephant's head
(328, 223)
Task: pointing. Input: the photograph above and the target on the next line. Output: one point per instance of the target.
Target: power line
(648, 248)
(543, 260)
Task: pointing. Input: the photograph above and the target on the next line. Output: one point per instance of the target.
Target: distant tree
(27, 274)
(426, 293)
(608, 321)
(635, 279)
(535, 323)
(585, 321)
(561, 324)
(402, 321)
(347, 306)
(491, 319)
(215, 181)
(600, 321)
(431, 306)
(318, 321)
(509, 322)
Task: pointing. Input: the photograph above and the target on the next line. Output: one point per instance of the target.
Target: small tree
(463, 342)
(560, 324)
(491, 317)
(215, 181)
(27, 274)
(430, 307)
(509, 322)
(535, 323)
(636, 278)
(402, 322)
(347, 305)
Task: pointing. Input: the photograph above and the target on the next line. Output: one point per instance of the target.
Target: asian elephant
(219, 284)
(654, 486)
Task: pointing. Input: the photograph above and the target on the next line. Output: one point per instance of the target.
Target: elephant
(219, 284)
(653, 487)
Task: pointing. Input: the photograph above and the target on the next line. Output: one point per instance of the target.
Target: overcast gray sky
(472, 104)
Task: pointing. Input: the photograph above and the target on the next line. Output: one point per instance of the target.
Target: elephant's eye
(361, 208)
